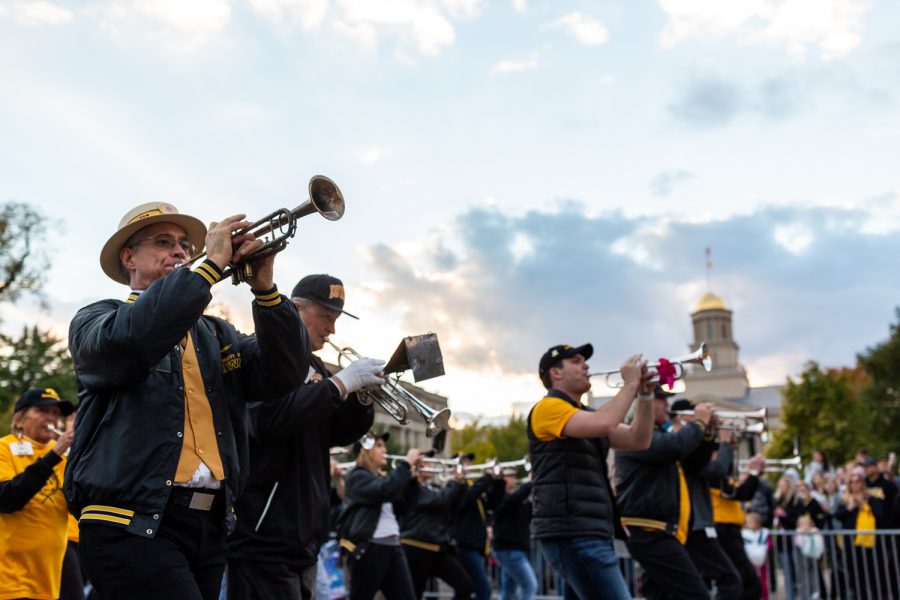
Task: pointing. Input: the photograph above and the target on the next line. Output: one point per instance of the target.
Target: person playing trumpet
(160, 451)
(282, 515)
(574, 510)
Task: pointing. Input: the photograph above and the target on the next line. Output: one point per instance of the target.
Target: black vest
(571, 493)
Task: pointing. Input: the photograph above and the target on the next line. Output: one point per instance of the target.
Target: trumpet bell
(325, 198)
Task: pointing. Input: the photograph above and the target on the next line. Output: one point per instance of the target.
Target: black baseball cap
(44, 397)
(555, 354)
(682, 404)
(323, 289)
(368, 441)
(661, 394)
(464, 455)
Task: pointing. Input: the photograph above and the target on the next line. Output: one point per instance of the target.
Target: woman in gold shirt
(33, 512)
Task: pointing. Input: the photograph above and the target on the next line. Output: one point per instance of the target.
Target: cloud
(512, 285)
(587, 31)
(707, 102)
(520, 5)
(371, 156)
(512, 66)
(834, 27)
(664, 181)
(426, 26)
(37, 13)
(176, 26)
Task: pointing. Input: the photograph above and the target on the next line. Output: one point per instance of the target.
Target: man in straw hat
(160, 451)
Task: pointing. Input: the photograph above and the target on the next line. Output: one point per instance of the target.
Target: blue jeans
(473, 562)
(516, 572)
(589, 567)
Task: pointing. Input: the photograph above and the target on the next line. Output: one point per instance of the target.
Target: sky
(517, 173)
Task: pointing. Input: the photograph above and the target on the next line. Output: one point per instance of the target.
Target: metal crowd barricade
(852, 565)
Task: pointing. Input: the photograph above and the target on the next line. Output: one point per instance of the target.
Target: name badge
(21, 449)
(711, 533)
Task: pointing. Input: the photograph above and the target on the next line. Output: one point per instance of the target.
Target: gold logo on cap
(50, 393)
(337, 291)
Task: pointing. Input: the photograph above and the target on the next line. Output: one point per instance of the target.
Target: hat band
(144, 215)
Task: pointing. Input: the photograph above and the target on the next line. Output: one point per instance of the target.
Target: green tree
(880, 395)
(822, 411)
(23, 258)
(473, 438)
(35, 359)
(511, 440)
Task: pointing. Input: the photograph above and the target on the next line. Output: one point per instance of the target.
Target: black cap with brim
(44, 397)
(661, 394)
(555, 354)
(464, 455)
(322, 289)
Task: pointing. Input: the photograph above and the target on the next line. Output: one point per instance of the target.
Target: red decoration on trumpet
(667, 372)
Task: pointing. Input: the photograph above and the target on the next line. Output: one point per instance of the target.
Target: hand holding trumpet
(225, 248)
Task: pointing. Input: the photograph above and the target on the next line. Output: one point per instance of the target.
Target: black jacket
(16, 493)
(364, 493)
(699, 468)
(428, 512)
(469, 528)
(571, 493)
(282, 515)
(512, 520)
(647, 483)
(131, 413)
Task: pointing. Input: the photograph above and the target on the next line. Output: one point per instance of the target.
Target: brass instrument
(700, 357)
(339, 450)
(743, 421)
(325, 198)
(524, 462)
(775, 465)
(394, 398)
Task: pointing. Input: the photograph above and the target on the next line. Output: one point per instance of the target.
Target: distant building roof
(710, 301)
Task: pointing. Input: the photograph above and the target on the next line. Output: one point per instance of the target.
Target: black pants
(380, 568)
(255, 580)
(72, 582)
(425, 564)
(669, 572)
(184, 561)
(733, 545)
(714, 564)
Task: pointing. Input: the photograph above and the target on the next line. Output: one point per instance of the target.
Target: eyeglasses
(167, 242)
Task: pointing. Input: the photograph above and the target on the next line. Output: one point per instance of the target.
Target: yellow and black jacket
(128, 366)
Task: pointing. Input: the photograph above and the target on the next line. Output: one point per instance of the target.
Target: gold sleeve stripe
(109, 509)
(274, 302)
(100, 517)
(208, 279)
(648, 523)
(270, 296)
(422, 545)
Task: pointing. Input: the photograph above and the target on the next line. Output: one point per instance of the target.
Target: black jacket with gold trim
(130, 422)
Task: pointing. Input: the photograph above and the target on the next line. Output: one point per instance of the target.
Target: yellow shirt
(33, 539)
(549, 417)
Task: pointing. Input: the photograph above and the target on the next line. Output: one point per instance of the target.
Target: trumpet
(700, 357)
(394, 398)
(524, 462)
(339, 450)
(325, 198)
(744, 421)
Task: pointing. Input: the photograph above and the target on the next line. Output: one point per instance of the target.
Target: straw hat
(139, 217)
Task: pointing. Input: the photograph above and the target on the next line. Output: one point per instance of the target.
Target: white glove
(361, 373)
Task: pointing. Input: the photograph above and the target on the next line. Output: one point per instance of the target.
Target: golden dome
(710, 301)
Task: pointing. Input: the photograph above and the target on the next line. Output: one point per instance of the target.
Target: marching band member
(368, 525)
(470, 522)
(655, 503)
(574, 511)
(512, 540)
(156, 462)
(282, 514)
(425, 537)
(702, 543)
(728, 515)
(33, 512)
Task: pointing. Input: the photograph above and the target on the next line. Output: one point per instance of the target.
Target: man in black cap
(283, 512)
(574, 510)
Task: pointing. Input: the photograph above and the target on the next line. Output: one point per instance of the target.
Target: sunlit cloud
(834, 27)
(586, 30)
(514, 66)
(37, 13)
(371, 156)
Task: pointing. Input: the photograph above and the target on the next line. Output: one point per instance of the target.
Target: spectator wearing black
(512, 540)
(861, 511)
(368, 525)
(425, 536)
